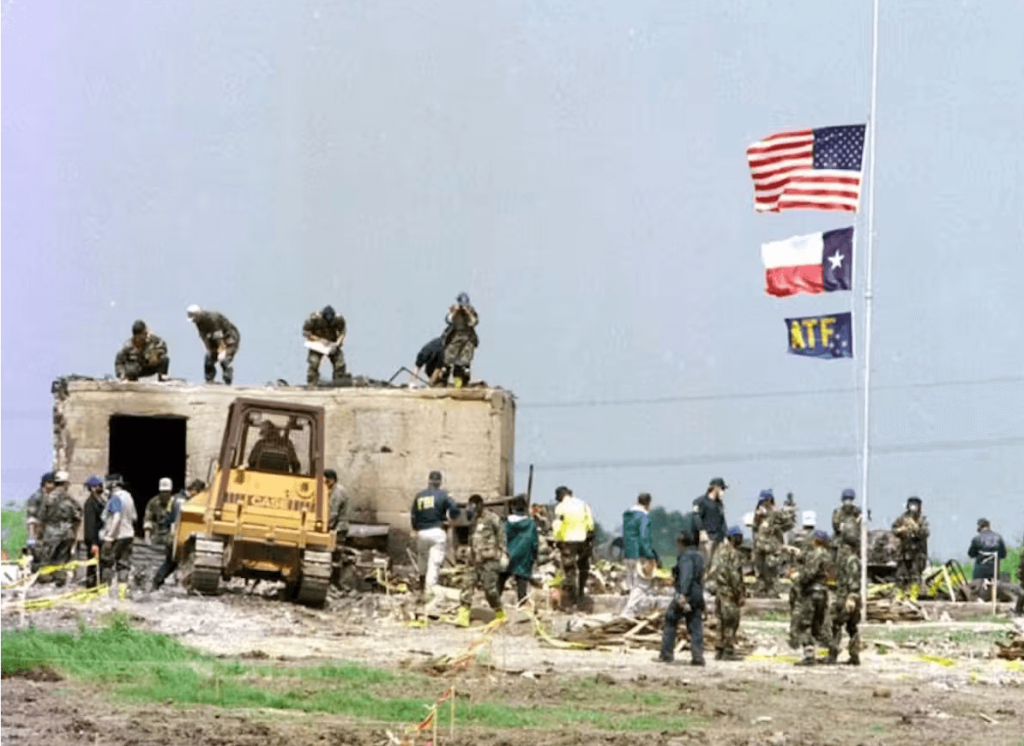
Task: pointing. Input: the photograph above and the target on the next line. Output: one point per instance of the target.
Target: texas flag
(820, 262)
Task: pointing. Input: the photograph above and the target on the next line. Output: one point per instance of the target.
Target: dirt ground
(919, 684)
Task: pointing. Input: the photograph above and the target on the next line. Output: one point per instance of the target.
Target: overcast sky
(579, 169)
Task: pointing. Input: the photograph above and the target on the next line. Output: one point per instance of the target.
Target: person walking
(488, 559)
(638, 551)
(523, 543)
(431, 509)
(812, 607)
(573, 530)
(687, 603)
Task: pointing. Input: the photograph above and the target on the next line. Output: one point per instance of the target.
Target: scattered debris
(1013, 648)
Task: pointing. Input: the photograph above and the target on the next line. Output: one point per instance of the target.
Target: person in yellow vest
(574, 534)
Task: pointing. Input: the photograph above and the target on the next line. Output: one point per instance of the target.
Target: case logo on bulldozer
(268, 501)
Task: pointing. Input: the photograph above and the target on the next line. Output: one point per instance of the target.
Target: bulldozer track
(315, 579)
(206, 566)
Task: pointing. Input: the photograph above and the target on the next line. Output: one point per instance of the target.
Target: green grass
(13, 532)
(147, 667)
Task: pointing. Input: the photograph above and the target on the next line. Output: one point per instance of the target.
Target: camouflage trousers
(812, 621)
(486, 575)
(728, 612)
(575, 557)
(211, 360)
(908, 571)
(135, 371)
(459, 351)
(314, 359)
(766, 568)
(55, 550)
(850, 621)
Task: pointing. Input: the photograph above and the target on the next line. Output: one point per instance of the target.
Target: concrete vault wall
(382, 441)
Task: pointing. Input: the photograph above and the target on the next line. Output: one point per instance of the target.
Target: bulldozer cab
(271, 458)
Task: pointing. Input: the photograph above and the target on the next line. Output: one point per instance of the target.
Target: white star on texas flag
(836, 260)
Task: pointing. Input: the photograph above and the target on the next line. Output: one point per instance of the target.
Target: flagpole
(866, 433)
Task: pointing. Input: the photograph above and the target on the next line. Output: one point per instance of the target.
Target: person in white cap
(154, 521)
(59, 516)
(220, 338)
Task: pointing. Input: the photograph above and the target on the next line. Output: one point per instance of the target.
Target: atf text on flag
(817, 169)
(829, 336)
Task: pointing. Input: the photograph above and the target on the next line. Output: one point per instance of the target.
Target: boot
(462, 617)
(806, 662)
(731, 655)
(854, 660)
(833, 657)
(719, 654)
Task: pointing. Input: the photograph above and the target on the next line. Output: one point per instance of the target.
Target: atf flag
(828, 336)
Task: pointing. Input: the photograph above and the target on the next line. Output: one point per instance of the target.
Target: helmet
(848, 494)
(820, 535)
(166, 485)
(734, 531)
(60, 477)
(328, 313)
(192, 310)
(331, 474)
(47, 477)
(463, 299)
(197, 484)
(139, 327)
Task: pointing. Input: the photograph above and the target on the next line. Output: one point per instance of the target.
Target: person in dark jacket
(638, 551)
(429, 514)
(709, 509)
(92, 521)
(523, 546)
(687, 603)
(430, 361)
(987, 550)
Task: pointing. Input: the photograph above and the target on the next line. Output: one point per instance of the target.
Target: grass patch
(148, 667)
(13, 532)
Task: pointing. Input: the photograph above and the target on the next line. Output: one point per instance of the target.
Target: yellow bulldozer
(264, 514)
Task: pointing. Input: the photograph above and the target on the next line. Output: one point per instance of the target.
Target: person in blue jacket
(523, 545)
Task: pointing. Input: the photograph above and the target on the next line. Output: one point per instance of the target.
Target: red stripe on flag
(803, 205)
(785, 281)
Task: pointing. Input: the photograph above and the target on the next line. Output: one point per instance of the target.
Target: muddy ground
(919, 683)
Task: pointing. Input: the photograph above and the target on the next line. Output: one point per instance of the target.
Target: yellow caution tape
(936, 659)
(81, 595)
(49, 570)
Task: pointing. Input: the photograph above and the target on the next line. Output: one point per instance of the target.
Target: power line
(582, 403)
(794, 454)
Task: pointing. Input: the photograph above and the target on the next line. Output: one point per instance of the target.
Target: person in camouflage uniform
(33, 527)
(800, 544)
(460, 340)
(489, 559)
(220, 338)
(337, 521)
(154, 520)
(727, 576)
(812, 607)
(145, 354)
(327, 327)
(846, 602)
(59, 516)
(911, 529)
(846, 518)
(770, 524)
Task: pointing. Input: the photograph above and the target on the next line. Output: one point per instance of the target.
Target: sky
(579, 169)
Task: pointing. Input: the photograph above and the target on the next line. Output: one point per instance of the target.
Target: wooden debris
(1013, 649)
(882, 609)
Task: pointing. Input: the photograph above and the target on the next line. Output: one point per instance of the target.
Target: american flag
(817, 169)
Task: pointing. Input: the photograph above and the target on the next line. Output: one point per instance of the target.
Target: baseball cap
(820, 535)
(734, 531)
(764, 496)
(166, 485)
(718, 482)
(192, 310)
(331, 474)
(849, 494)
(93, 481)
(60, 477)
(810, 518)
(47, 477)
(983, 522)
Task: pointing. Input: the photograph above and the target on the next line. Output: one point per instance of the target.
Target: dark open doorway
(145, 449)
